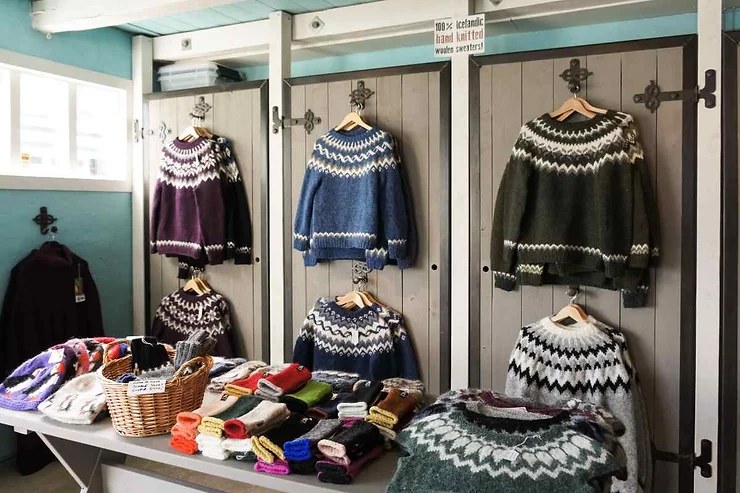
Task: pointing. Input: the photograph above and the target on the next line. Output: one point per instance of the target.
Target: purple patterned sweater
(36, 379)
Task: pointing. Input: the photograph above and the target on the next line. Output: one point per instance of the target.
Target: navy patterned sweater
(371, 341)
(354, 203)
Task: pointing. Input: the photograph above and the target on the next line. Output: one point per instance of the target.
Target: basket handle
(207, 362)
(116, 343)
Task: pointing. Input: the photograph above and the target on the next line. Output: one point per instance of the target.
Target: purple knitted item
(279, 467)
(332, 472)
(36, 379)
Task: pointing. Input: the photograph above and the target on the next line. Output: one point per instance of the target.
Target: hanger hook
(573, 292)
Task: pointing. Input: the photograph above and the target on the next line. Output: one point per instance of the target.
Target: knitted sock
(224, 365)
(289, 380)
(257, 421)
(240, 372)
(351, 443)
(304, 467)
(330, 472)
(249, 383)
(184, 445)
(413, 387)
(329, 408)
(396, 406)
(312, 394)
(233, 445)
(302, 448)
(293, 427)
(315, 412)
(245, 456)
(279, 467)
(362, 398)
(263, 453)
(340, 381)
(216, 454)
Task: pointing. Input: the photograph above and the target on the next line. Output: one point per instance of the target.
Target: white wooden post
(460, 210)
(142, 67)
(708, 241)
(280, 34)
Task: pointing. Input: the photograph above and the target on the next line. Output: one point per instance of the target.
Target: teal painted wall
(96, 225)
(507, 43)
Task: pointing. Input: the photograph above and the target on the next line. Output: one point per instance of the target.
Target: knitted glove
(302, 448)
(289, 380)
(279, 467)
(340, 381)
(256, 422)
(312, 394)
(293, 427)
(331, 472)
(351, 443)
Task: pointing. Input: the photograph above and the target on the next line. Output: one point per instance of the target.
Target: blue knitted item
(354, 203)
(371, 341)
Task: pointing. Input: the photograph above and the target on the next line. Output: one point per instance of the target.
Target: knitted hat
(302, 448)
(198, 344)
(351, 443)
(257, 421)
(244, 370)
(79, 401)
(293, 427)
(331, 472)
(303, 467)
(36, 379)
(312, 394)
(396, 406)
(82, 356)
(341, 381)
(279, 467)
(289, 380)
(328, 409)
(249, 383)
(184, 445)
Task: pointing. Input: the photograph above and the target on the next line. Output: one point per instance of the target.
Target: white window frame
(79, 75)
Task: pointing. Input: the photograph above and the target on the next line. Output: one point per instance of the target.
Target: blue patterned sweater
(371, 341)
(354, 203)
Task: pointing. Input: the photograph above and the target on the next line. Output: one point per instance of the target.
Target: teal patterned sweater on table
(354, 203)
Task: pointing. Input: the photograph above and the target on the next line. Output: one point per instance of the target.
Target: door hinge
(702, 461)
(654, 96)
(308, 122)
(138, 131)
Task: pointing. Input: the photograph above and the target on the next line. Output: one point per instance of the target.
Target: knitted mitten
(293, 427)
(303, 467)
(302, 448)
(397, 405)
(362, 398)
(279, 467)
(341, 381)
(240, 372)
(289, 380)
(310, 395)
(331, 472)
(184, 445)
(351, 443)
(257, 421)
(198, 344)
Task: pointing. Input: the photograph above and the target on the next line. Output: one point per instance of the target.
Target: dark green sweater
(575, 206)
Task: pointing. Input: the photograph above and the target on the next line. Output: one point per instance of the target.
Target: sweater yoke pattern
(188, 167)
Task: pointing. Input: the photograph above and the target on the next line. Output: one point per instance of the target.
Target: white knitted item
(237, 445)
(269, 390)
(217, 454)
(78, 402)
(265, 416)
(334, 451)
(352, 407)
(352, 413)
(240, 372)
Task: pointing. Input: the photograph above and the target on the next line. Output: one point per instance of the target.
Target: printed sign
(466, 36)
(143, 387)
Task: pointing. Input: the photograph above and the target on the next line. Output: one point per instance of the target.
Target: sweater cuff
(504, 280)
(215, 256)
(300, 242)
(396, 249)
(243, 256)
(634, 298)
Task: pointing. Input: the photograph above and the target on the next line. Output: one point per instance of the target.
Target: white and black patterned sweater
(575, 206)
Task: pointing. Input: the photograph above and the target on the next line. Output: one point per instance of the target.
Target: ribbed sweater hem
(612, 265)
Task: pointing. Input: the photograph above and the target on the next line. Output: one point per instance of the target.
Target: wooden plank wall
(237, 116)
(407, 106)
(513, 93)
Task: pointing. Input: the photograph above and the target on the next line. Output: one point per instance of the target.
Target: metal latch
(653, 95)
(702, 461)
(309, 121)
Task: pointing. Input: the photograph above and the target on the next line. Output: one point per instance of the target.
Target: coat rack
(45, 221)
(575, 75)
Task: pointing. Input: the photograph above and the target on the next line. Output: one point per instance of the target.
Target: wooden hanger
(373, 299)
(192, 132)
(351, 300)
(204, 286)
(591, 107)
(571, 311)
(570, 106)
(194, 286)
(352, 120)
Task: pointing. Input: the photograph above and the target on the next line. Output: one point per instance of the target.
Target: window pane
(4, 119)
(44, 132)
(101, 132)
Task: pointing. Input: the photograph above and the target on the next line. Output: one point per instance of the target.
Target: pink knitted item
(279, 467)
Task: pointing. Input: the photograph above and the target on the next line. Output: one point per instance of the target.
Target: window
(53, 126)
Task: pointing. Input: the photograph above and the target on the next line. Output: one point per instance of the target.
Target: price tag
(144, 387)
(56, 356)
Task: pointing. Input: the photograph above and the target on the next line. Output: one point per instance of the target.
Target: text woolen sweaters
(353, 204)
(370, 341)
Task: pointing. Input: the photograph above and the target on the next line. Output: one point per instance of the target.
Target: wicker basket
(151, 414)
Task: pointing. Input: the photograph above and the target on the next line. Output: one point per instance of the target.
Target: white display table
(94, 456)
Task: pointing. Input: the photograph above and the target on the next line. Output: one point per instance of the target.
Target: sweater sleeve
(511, 203)
(210, 204)
(154, 217)
(225, 343)
(392, 209)
(412, 243)
(236, 209)
(403, 350)
(304, 345)
(92, 301)
(304, 211)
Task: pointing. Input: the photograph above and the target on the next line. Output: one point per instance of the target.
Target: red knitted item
(251, 381)
(184, 431)
(291, 379)
(182, 444)
(233, 428)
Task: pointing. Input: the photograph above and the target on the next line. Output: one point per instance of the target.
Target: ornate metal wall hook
(359, 96)
(653, 96)
(360, 272)
(575, 75)
(200, 109)
(45, 221)
(161, 132)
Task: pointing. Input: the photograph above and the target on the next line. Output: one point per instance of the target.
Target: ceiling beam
(54, 16)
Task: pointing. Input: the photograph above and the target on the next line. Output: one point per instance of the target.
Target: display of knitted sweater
(359, 169)
(462, 451)
(371, 341)
(575, 206)
(552, 362)
(79, 401)
(182, 313)
(199, 207)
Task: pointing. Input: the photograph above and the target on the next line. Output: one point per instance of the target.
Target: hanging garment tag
(144, 387)
(56, 356)
(510, 455)
(355, 337)
(79, 290)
